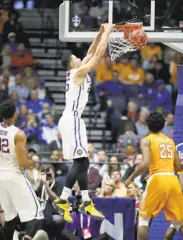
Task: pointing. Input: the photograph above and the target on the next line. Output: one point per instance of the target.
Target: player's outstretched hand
(102, 29)
(109, 27)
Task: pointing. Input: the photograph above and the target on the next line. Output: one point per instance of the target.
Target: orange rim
(128, 28)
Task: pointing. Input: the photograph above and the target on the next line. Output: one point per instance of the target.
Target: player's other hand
(109, 27)
(128, 182)
(43, 178)
(102, 29)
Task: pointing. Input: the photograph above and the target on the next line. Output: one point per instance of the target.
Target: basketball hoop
(133, 39)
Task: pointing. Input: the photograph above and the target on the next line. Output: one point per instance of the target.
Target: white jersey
(8, 158)
(76, 96)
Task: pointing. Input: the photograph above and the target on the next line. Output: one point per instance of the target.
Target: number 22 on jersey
(166, 151)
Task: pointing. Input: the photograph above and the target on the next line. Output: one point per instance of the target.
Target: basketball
(138, 39)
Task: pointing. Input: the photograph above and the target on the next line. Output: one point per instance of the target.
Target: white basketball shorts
(17, 197)
(74, 137)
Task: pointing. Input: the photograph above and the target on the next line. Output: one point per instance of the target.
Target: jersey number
(4, 145)
(166, 151)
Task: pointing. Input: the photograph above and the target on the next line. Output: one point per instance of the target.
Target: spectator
(123, 67)
(148, 90)
(31, 152)
(132, 111)
(101, 10)
(48, 190)
(135, 74)
(15, 98)
(30, 79)
(134, 191)
(104, 70)
(46, 109)
(129, 138)
(3, 96)
(22, 90)
(61, 168)
(34, 104)
(133, 161)
(6, 57)
(33, 175)
(114, 92)
(31, 129)
(161, 71)
(22, 58)
(130, 153)
(150, 50)
(102, 160)
(150, 65)
(81, 222)
(3, 17)
(12, 42)
(92, 156)
(141, 126)
(169, 126)
(7, 80)
(107, 188)
(22, 116)
(120, 189)
(112, 166)
(93, 178)
(87, 20)
(162, 97)
(13, 25)
(50, 131)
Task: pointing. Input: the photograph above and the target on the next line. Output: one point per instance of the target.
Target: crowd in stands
(126, 90)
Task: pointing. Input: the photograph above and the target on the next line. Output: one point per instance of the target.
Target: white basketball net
(118, 46)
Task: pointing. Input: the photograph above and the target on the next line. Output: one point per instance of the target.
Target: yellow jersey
(162, 150)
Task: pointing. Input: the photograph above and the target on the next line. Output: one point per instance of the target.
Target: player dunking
(72, 127)
(163, 191)
(17, 198)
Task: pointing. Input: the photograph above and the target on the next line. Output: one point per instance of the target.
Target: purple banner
(178, 122)
(119, 219)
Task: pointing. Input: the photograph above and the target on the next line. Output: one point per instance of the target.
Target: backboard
(162, 20)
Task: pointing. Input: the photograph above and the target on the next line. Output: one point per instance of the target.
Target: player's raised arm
(20, 148)
(81, 72)
(93, 46)
(145, 148)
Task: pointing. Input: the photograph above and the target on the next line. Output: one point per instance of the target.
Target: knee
(177, 224)
(170, 233)
(143, 222)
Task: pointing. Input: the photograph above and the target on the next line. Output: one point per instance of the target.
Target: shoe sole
(58, 210)
(61, 213)
(93, 216)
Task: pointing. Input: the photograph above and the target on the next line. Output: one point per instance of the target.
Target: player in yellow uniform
(163, 191)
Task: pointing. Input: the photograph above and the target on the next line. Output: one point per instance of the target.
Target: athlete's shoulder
(20, 136)
(149, 136)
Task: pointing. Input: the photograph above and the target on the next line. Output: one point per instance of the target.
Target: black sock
(78, 172)
(83, 176)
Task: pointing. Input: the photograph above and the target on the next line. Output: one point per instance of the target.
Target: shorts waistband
(163, 173)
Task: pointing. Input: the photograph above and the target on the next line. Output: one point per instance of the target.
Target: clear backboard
(162, 20)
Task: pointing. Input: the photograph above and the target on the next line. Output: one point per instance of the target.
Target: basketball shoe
(62, 207)
(87, 207)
